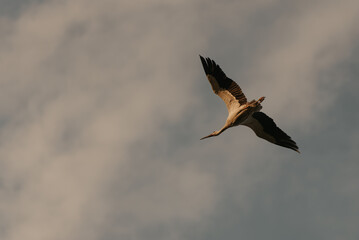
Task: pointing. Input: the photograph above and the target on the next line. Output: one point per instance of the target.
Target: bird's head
(215, 133)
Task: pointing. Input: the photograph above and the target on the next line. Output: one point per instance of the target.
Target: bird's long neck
(221, 130)
(215, 133)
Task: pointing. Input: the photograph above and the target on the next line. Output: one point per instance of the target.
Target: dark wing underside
(264, 127)
(221, 84)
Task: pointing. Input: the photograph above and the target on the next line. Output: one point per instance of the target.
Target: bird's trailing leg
(261, 99)
(255, 103)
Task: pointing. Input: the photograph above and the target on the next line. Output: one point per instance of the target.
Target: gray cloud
(103, 103)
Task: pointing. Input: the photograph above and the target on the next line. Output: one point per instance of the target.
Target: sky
(103, 103)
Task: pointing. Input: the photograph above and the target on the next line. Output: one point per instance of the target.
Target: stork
(241, 112)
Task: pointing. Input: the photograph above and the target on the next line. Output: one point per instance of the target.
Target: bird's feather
(223, 86)
(264, 127)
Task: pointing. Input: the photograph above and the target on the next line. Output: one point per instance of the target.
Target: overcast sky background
(103, 103)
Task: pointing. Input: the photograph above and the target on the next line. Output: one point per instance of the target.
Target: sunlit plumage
(242, 112)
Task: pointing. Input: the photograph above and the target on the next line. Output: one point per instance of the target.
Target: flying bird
(242, 112)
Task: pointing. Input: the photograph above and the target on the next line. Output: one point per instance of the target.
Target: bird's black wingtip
(204, 64)
(293, 147)
(289, 144)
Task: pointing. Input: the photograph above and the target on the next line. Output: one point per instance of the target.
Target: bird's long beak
(210, 135)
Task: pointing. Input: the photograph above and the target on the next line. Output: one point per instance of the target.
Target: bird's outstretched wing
(223, 86)
(264, 127)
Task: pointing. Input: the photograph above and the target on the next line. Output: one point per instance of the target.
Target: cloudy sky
(103, 103)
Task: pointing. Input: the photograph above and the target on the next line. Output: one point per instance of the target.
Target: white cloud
(103, 103)
(80, 88)
(303, 46)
